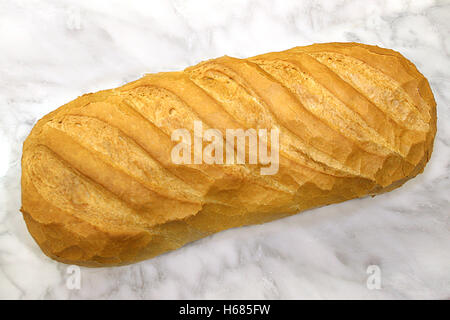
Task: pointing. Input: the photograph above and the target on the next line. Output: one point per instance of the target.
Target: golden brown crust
(99, 187)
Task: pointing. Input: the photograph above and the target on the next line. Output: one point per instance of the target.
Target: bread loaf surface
(99, 187)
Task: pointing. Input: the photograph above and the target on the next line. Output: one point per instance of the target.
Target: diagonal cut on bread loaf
(99, 187)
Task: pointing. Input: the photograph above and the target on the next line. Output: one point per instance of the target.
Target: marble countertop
(53, 51)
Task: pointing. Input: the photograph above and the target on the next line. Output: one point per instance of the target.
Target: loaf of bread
(100, 187)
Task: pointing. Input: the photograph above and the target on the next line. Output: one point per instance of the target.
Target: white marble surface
(52, 51)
